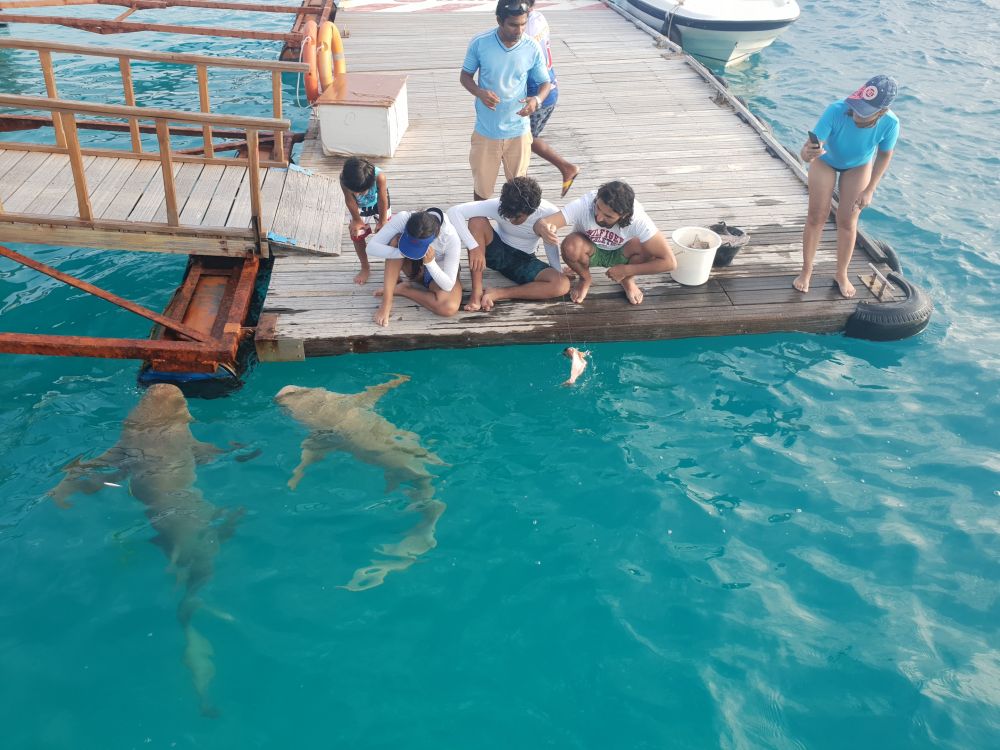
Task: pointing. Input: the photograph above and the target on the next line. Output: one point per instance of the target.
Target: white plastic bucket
(694, 264)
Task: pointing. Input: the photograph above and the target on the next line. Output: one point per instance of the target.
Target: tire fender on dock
(891, 321)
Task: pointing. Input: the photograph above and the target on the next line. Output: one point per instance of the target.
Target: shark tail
(199, 658)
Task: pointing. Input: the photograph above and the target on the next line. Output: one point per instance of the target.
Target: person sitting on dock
(425, 246)
(610, 230)
(366, 195)
(510, 249)
(506, 60)
(856, 137)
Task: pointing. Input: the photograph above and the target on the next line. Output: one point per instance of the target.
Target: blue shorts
(539, 118)
(517, 265)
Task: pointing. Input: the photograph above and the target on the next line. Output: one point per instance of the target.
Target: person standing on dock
(855, 138)
(366, 195)
(506, 61)
(538, 29)
(425, 246)
(610, 230)
(510, 248)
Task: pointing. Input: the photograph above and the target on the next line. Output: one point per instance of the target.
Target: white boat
(720, 31)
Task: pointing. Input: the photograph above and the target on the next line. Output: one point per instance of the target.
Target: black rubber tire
(722, 81)
(891, 256)
(891, 321)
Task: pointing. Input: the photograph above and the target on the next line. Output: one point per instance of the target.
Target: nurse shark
(347, 422)
(157, 454)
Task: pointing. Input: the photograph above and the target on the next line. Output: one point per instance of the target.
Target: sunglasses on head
(513, 9)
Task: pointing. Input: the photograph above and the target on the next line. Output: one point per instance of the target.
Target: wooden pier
(628, 109)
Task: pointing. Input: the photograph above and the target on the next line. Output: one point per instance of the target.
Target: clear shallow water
(757, 542)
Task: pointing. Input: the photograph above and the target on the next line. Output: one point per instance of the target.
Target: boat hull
(721, 41)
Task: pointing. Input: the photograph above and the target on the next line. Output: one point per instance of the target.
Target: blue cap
(412, 247)
(875, 95)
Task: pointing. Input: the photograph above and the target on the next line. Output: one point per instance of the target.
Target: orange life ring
(309, 58)
(324, 57)
(337, 47)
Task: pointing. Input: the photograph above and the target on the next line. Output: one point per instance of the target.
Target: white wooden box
(363, 114)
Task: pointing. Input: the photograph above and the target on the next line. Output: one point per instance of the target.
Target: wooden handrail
(143, 113)
(126, 27)
(160, 4)
(167, 57)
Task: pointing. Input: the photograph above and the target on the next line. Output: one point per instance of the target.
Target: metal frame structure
(179, 347)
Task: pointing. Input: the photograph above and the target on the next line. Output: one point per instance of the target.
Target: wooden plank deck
(627, 110)
(130, 211)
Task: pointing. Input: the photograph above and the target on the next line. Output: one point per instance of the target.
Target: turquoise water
(759, 542)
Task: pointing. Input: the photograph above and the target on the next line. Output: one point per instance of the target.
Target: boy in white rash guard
(426, 247)
(610, 230)
(510, 249)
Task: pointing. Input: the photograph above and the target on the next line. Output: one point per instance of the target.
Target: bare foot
(802, 281)
(475, 303)
(406, 290)
(847, 289)
(362, 276)
(579, 291)
(488, 301)
(632, 290)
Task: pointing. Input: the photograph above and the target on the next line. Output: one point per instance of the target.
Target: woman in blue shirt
(856, 138)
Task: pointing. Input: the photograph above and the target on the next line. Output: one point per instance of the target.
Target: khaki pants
(487, 155)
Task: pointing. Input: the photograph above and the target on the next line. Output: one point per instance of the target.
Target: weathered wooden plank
(42, 176)
(184, 183)
(19, 174)
(225, 193)
(132, 191)
(147, 205)
(297, 186)
(201, 194)
(95, 171)
(60, 184)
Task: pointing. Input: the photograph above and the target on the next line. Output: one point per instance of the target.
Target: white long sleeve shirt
(520, 236)
(447, 248)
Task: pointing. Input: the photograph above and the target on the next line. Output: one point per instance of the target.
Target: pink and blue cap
(877, 94)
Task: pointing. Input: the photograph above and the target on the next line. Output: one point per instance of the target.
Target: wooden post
(278, 150)
(253, 173)
(133, 123)
(68, 120)
(206, 107)
(167, 167)
(45, 58)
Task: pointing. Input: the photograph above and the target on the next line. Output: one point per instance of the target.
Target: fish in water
(578, 363)
(348, 422)
(157, 453)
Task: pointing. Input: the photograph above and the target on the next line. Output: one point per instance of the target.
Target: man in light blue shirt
(505, 60)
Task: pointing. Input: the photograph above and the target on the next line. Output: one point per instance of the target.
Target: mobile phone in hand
(813, 138)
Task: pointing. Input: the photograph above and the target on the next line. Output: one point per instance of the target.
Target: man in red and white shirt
(610, 230)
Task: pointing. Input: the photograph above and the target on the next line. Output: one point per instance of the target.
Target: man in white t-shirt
(610, 230)
(510, 248)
